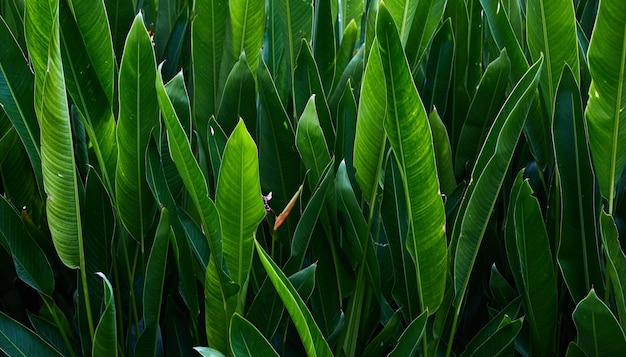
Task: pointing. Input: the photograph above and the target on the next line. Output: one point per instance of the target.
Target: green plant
(287, 177)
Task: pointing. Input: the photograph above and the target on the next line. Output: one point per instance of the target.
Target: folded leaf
(105, 338)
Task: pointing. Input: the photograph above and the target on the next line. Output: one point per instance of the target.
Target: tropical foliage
(330, 177)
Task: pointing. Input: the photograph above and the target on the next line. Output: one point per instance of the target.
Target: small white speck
(212, 131)
(59, 174)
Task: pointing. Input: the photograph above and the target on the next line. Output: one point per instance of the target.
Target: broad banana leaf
(138, 115)
(606, 117)
(406, 124)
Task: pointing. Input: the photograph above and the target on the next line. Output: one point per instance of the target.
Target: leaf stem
(83, 277)
(58, 323)
(457, 311)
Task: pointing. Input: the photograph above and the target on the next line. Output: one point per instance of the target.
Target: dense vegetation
(289, 177)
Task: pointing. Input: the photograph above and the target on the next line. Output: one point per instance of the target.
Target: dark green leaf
(487, 177)
(105, 338)
(247, 340)
(17, 340)
(599, 334)
(239, 99)
(314, 342)
(578, 254)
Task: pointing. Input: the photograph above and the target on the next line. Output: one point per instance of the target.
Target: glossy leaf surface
(406, 124)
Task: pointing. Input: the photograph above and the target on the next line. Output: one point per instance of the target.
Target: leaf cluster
(331, 177)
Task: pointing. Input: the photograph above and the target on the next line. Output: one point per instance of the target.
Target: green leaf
(196, 239)
(30, 261)
(351, 10)
(186, 278)
(487, 177)
(294, 22)
(16, 97)
(578, 254)
(121, 14)
(278, 158)
(17, 340)
(39, 31)
(505, 37)
(247, 340)
(443, 156)
(406, 124)
(207, 41)
(599, 334)
(537, 270)
(267, 308)
(605, 115)
(357, 242)
(370, 139)
(502, 340)
(247, 20)
(497, 335)
(324, 41)
(50, 332)
(105, 338)
(551, 32)
(437, 78)
(403, 12)
(240, 206)
(345, 52)
(574, 351)
(379, 344)
(308, 83)
(178, 336)
(353, 72)
(93, 24)
(615, 264)
(154, 282)
(208, 352)
(393, 211)
(164, 24)
(500, 288)
(310, 334)
(306, 225)
(177, 92)
(57, 148)
(346, 131)
(239, 99)
(88, 96)
(428, 15)
(537, 128)
(311, 143)
(216, 139)
(485, 105)
(177, 44)
(195, 183)
(410, 340)
(137, 117)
